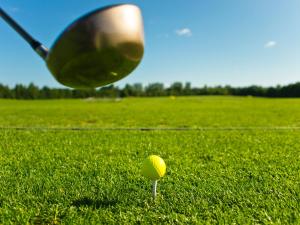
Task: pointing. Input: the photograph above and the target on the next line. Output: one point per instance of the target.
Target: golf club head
(99, 48)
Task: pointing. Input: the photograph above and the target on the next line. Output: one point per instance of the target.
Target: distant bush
(151, 90)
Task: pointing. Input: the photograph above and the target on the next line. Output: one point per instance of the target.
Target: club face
(99, 48)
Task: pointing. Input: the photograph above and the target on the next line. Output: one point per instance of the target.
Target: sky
(205, 42)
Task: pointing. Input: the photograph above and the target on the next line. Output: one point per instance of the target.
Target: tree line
(32, 91)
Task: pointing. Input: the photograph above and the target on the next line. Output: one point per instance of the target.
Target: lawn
(242, 168)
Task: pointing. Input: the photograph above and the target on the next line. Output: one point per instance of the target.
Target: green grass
(152, 112)
(93, 177)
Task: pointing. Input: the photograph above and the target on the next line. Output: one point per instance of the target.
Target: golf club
(97, 49)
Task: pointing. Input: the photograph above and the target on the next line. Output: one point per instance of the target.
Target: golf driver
(97, 49)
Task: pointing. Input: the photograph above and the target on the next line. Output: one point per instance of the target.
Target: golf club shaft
(37, 46)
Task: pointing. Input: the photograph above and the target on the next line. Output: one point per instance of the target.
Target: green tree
(5, 92)
(176, 89)
(155, 89)
(32, 91)
(187, 90)
(20, 92)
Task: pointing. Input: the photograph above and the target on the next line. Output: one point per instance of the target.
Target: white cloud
(271, 44)
(184, 32)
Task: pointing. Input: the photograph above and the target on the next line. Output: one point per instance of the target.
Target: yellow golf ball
(154, 167)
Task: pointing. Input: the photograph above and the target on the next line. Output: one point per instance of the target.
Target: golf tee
(154, 188)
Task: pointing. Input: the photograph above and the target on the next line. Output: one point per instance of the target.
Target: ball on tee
(154, 167)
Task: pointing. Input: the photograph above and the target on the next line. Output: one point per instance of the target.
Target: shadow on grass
(97, 204)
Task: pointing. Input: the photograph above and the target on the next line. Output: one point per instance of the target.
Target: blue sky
(212, 42)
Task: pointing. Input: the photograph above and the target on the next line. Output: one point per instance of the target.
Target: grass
(93, 176)
(152, 112)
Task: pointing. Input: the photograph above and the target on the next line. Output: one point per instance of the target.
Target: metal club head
(100, 48)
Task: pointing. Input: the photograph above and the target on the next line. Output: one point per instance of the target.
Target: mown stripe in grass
(150, 128)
